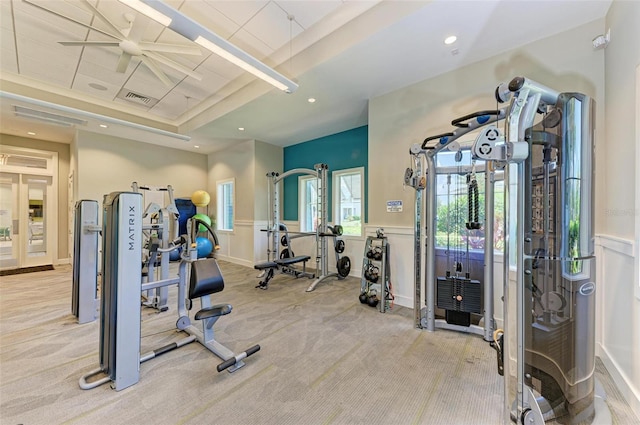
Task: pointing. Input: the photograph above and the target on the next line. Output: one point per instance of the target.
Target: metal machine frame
(84, 298)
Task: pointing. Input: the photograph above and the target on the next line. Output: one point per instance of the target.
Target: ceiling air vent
(47, 117)
(137, 98)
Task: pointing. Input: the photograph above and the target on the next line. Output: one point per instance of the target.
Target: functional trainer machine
(119, 350)
(283, 260)
(546, 350)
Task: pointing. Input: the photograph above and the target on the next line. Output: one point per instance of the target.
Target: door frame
(51, 171)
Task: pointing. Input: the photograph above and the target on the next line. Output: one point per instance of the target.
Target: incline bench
(284, 265)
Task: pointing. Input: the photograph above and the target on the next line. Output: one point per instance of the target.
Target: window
(226, 204)
(348, 200)
(308, 197)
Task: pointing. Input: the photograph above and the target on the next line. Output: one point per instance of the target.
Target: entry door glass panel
(36, 189)
(9, 222)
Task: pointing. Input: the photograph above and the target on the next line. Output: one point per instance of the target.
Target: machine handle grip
(233, 360)
(439, 136)
(459, 122)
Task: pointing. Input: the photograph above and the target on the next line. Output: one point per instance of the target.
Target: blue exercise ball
(203, 246)
(175, 254)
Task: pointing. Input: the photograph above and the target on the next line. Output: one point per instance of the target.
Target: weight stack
(459, 297)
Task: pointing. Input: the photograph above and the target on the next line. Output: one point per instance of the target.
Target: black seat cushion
(213, 311)
(267, 265)
(206, 278)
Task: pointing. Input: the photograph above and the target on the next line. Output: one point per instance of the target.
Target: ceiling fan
(129, 40)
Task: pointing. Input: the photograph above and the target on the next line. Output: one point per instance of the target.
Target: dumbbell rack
(381, 286)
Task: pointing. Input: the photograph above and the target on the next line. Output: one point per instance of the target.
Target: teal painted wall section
(339, 151)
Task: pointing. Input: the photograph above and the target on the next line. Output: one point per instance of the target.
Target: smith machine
(284, 259)
(546, 348)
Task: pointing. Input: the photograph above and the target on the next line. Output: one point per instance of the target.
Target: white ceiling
(340, 52)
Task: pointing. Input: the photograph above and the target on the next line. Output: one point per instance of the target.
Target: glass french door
(25, 220)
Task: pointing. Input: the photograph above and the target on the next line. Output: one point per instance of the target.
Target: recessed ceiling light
(31, 133)
(196, 146)
(104, 125)
(241, 128)
(450, 40)
(311, 100)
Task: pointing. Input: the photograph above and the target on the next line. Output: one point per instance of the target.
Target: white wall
(106, 164)
(619, 297)
(248, 163)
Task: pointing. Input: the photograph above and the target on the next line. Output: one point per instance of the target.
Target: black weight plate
(340, 246)
(337, 230)
(283, 240)
(344, 266)
(286, 253)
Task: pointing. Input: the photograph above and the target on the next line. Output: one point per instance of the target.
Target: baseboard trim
(630, 394)
(234, 260)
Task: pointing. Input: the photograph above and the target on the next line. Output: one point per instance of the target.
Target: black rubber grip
(226, 364)
(165, 349)
(439, 136)
(253, 350)
(458, 122)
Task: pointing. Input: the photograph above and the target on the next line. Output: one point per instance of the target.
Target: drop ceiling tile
(8, 60)
(48, 51)
(171, 106)
(210, 84)
(272, 26)
(81, 83)
(30, 20)
(210, 17)
(104, 75)
(238, 11)
(145, 82)
(307, 13)
(106, 57)
(251, 44)
(7, 40)
(222, 67)
(53, 73)
(6, 17)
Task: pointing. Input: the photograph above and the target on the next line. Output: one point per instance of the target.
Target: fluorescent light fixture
(149, 11)
(209, 45)
(450, 40)
(194, 31)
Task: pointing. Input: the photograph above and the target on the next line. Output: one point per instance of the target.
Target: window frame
(220, 206)
(302, 207)
(336, 198)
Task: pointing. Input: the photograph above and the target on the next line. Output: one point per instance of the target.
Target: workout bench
(285, 266)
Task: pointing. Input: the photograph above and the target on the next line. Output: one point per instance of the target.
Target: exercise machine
(278, 261)
(546, 349)
(84, 293)
(160, 226)
(119, 349)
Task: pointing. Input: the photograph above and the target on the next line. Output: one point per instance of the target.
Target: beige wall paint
(268, 158)
(620, 295)
(64, 160)
(566, 62)
(106, 164)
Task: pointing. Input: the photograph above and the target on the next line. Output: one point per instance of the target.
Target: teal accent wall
(339, 151)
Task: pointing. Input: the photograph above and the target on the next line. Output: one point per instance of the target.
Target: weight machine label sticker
(394, 206)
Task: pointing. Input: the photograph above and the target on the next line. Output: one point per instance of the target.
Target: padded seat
(292, 260)
(213, 311)
(267, 265)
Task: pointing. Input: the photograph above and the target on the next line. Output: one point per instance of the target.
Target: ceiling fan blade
(138, 27)
(103, 18)
(89, 43)
(157, 71)
(123, 63)
(174, 65)
(170, 48)
(72, 20)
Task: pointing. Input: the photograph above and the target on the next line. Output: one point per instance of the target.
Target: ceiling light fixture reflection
(104, 125)
(31, 133)
(188, 28)
(450, 40)
(311, 100)
(241, 128)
